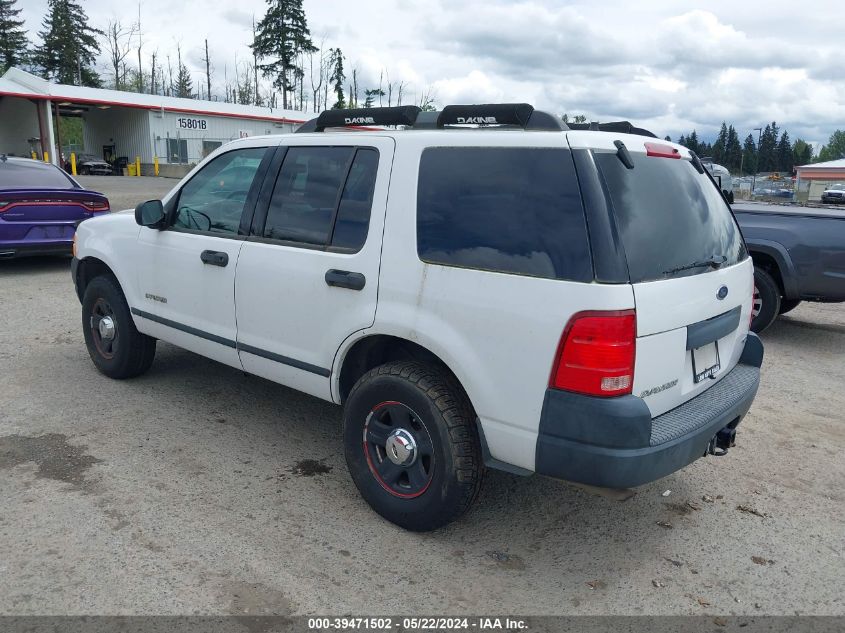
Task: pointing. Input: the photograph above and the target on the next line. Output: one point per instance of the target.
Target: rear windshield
(503, 209)
(25, 175)
(669, 217)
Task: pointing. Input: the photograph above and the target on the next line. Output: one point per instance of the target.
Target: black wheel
(730, 197)
(766, 301)
(787, 305)
(84, 171)
(116, 347)
(412, 445)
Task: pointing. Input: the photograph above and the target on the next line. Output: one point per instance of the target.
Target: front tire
(116, 347)
(766, 301)
(788, 305)
(412, 445)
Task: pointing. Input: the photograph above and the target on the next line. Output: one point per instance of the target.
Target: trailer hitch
(721, 442)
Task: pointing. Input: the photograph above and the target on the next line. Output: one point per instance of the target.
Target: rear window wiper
(714, 262)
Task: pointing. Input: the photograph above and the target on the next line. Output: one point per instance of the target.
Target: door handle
(215, 258)
(345, 279)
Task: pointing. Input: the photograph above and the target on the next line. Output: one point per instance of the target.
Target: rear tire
(441, 474)
(766, 300)
(117, 349)
(788, 305)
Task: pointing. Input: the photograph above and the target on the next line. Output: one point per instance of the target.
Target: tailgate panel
(676, 314)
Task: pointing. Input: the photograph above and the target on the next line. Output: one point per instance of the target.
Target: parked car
(834, 194)
(41, 207)
(722, 177)
(90, 165)
(467, 318)
(798, 256)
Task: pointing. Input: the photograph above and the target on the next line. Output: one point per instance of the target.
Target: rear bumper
(9, 250)
(614, 443)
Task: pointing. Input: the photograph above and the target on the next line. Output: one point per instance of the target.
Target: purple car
(40, 208)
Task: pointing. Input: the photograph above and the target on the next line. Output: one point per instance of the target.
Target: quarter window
(510, 210)
(213, 200)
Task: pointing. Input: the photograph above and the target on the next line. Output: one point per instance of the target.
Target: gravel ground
(125, 192)
(196, 489)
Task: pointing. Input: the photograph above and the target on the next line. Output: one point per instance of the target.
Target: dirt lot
(197, 489)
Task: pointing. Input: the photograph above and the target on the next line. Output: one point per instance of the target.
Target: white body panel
(664, 309)
(284, 305)
(197, 295)
(497, 332)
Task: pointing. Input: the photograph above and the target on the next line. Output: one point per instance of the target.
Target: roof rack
(622, 127)
(520, 115)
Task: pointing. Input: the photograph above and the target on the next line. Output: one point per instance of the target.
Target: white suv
(513, 294)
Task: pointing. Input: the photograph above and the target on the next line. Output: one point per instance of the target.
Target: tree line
(772, 151)
(300, 74)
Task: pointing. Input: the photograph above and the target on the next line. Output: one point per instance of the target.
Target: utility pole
(757, 162)
(140, 69)
(207, 72)
(255, 62)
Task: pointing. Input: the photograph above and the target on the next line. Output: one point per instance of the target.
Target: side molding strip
(249, 349)
(284, 360)
(185, 328)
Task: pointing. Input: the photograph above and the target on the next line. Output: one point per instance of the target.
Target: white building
(178, 132)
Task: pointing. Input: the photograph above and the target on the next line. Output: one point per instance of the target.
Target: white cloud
(658, 64)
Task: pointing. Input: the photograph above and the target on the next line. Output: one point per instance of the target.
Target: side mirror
(150, 214)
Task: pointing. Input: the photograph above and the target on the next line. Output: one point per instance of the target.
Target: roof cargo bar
(622, 127)
(358, 117)
(520, 115)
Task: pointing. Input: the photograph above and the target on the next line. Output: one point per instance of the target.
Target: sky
(668, 65)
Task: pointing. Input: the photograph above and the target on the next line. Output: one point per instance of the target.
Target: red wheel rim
(399, 450)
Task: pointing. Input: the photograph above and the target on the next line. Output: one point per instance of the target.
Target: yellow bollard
(34, 156)
(73, 163)
(155, 165)
(46, 157)
(137, 165)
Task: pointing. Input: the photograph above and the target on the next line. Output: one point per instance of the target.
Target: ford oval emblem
(722, 293)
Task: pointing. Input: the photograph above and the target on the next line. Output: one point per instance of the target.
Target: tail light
(596, 354)
(96, 206)
(3, 206)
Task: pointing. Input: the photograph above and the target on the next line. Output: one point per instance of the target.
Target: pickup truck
(798, 254)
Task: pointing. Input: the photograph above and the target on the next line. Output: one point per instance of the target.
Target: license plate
(705, 362)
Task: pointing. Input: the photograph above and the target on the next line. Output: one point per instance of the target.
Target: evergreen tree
(682, 140)
(784, 153)
(835, 148)
(281, 38)
(338, 77)
(667, 138)
(183, 86)
(371, 96)
(733, 150)
(749, 155)
(69, 45)
(720, 145)
(767, 152)
(691, 142)
(802, 152)
(13, 42)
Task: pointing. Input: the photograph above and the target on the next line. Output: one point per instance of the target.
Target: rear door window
(323, 197)
(503, 209)
(669, 217)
